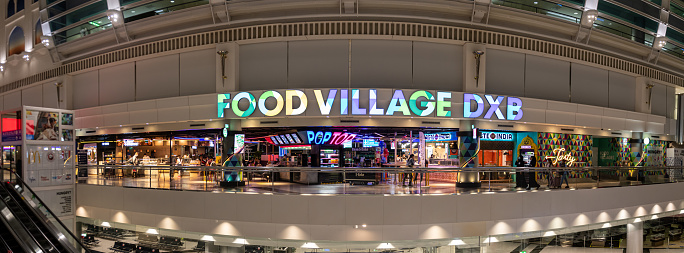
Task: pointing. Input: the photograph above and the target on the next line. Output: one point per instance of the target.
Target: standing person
(519, 176)
(409, 163)
(564, 176)
(531, 176)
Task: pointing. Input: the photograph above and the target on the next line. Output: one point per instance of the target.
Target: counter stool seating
(200, 246)
(145, 249)
(123, 247)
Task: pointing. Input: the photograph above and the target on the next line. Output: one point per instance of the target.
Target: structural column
(635, 237)
(467, 149)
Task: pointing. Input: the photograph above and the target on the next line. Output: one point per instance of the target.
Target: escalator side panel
(28, 220)
(17, 230)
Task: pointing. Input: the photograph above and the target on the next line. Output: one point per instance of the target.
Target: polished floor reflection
(194, 181)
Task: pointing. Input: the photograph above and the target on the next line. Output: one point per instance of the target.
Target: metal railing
(374, 180)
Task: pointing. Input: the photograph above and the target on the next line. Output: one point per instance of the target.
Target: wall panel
(86, 90)
(547, 78)
(198, 72)
(589, 85)
(505, 73)
(50, 95)
(437, 66)
(117, 84)
(32, 96)
(318, 64)
(381, 64)
(621, 91)
(12, 100)
(670, 93)
(659, 100)
(157, 78)
(263, 66)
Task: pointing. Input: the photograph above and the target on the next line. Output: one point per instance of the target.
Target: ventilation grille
(269, 122)
(349, 121)
(138, 128)
(348, 28)
(567, 129)
(197, 125)
(505, 126)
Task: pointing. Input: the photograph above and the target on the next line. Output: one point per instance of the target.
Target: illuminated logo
(496, 136)
(560, 155)
(513, 107)
(420, 103)
(330, 138)
(439, 137)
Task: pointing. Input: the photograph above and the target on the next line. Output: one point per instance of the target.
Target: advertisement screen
(42, 125)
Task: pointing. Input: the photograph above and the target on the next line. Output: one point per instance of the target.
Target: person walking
(409, 163)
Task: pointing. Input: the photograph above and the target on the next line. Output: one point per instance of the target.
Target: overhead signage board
(327, 138)
(496, 136)
(446, 136)
(284, 139)
(367, 102)
(370, 143)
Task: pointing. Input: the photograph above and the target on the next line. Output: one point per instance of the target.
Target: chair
(200, 246)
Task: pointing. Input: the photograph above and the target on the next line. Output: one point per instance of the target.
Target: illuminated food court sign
(419, 103)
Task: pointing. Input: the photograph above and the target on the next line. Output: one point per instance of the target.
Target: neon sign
(560, 155)
(328, 138)
(440, 137)
(496, 136)
(513, 108)
(420, 103)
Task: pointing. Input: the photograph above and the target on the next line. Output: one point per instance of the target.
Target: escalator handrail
(24, 225)
(64, 227)
(32, 221)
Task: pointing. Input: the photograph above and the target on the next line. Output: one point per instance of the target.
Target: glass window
(78, 15)
(158, 8)
(551, 9)
(83, 30)
(624, 31)
(628, 16)
(641, 6)
(64, 6)
(10, 8)
(676, 9)
(20, 5)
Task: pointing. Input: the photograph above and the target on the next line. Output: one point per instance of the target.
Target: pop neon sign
(328, 138)
(349, 102)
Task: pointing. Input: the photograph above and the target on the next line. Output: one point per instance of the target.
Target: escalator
(21, 210)
(7, 241)
(27, 225)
